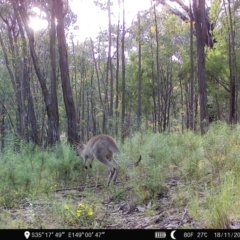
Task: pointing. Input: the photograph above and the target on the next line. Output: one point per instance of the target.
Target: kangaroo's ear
(78, 147)
(81, 145)
(74, 143)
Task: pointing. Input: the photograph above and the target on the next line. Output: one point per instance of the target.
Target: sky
(91, 18)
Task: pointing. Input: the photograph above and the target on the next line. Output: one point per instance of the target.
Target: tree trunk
(117, 74)
(93, 113)
(64, 69)
(158, 75)
(109, 64)
(153, 90)
(182, 104)
(191, 103)
(98, 82)
(2, 125)
(53, 135)
(123, 77)
(139, 112)
(233, 114)
(200, 24)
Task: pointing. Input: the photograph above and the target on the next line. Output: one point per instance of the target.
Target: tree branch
(186, 15)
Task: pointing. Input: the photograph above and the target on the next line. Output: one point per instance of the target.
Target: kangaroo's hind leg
(90, 164)
(112, 171)
(114, 176)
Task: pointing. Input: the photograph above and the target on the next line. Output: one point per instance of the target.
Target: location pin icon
(27, 234)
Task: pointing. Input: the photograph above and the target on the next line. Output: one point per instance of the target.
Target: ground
(119, 210)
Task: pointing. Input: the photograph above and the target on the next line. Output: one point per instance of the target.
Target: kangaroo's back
(102, 142)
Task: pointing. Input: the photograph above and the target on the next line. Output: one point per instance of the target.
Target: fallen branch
(180, 223)
(77, 188)
(137, 163)
(110, 199)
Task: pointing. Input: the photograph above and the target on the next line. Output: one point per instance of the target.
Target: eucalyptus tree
(48, 95)
(159, 49)
(201, 29)
(16, 59)
(204, 36)
(7, 107)
(223, 63)
(230, 9)
(139, 111)
(26, 48)
(118, 35)
(72, 128)
(123, 128)
(158, 78)
(85, 88)
(99, 64)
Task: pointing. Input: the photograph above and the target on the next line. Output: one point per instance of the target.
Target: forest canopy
(174, 68)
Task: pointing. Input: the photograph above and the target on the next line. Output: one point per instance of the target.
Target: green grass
(46, 187)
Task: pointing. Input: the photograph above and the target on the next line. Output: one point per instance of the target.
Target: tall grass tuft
(204, 168)
(32, 171)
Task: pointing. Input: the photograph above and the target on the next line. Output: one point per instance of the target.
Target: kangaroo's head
(79, 148)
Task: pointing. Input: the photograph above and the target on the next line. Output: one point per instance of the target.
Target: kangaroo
(101, 147)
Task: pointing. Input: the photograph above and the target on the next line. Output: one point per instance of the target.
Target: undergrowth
(206, 167)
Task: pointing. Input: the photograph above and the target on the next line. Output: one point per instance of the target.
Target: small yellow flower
(66, 207)
(79, 213)
(73, 221)
(55, 185)
(90, 213)
(81, 205)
